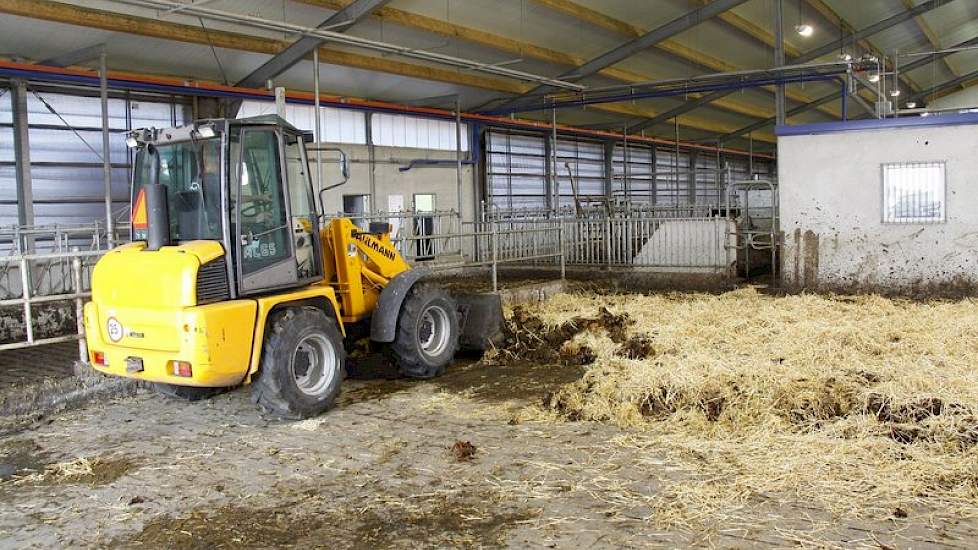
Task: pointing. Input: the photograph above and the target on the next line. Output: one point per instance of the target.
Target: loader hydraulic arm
(362, 265)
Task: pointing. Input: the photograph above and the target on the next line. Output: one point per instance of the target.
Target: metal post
(319, 131)
(280, 101)
(458, 152)
(626, 172)
(779, 59)
(675, 167)
(845, 100)
(750, 155)
(493, 244)
(25, 292)
(654, 181)
(747, 233)
(76, 275)
(106, 159)
(372, 162)
(691, 177)
(22, 158)
(554, 185)
(560, 244)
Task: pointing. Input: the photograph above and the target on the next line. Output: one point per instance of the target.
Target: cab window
(263, 225)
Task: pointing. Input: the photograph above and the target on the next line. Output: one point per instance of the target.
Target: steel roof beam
(75, 57)
(287, 58)
(630, 48)
(944, 86)
(834, 96)
(804, 58)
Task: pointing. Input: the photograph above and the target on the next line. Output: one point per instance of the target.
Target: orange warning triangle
(139, 211)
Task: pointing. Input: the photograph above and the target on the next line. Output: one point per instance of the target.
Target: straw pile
(859, 406)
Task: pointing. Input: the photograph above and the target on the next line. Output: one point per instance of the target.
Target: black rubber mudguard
(383, 322)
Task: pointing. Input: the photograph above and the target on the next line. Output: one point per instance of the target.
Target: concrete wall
(831, 212)
(385, 179)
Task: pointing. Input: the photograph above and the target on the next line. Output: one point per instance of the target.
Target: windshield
(191, 172)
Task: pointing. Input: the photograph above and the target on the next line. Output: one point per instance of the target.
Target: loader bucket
(481, 317)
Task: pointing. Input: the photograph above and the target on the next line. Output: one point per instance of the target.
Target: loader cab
(244, 183)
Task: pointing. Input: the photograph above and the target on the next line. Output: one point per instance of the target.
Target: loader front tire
(302, 365)
(427, 332)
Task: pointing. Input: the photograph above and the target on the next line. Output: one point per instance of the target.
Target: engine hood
(131, 277)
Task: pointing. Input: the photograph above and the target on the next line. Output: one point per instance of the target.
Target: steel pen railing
(58, 277)
(27, 302)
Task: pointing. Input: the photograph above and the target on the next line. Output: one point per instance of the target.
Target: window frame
(283, 273)
(887, 219)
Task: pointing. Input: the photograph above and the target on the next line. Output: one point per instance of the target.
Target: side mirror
(344, 171)
(344, 165)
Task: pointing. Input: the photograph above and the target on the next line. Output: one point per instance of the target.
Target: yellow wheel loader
(231, 279)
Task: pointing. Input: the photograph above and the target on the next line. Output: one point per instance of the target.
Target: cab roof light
(206, 131)
(136, 138)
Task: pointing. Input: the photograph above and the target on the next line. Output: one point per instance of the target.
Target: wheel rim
(313, 364)
(433, 330)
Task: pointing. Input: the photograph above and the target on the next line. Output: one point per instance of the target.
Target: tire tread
(404, 349)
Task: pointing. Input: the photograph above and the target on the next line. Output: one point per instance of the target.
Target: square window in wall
(914, 192)
(424, 202)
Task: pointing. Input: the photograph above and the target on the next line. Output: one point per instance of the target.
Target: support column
(458, 154)
(779, 106)
(654, 184)
(845, 99)
(553, 193)
(106, 160)
(22, 153)
(372, 164)
(318, 127)
(609, 171)
(280, 101)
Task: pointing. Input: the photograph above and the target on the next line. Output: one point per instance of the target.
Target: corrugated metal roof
(716, 43)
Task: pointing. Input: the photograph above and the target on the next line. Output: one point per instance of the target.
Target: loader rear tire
(302, 365)
(187, 393)
(427, 332)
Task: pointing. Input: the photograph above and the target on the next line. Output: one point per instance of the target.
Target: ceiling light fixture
(895, 93)
(911, 105)
(805, 30)
(875, 77)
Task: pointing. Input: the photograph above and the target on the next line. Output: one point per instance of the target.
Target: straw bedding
(859, 406)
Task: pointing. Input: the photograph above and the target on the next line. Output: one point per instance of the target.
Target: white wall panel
(338, 125)
(66, 165)
(422, 133)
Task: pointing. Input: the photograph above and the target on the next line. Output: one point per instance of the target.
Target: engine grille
(212, 282)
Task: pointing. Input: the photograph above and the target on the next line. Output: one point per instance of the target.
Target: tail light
(181, 368)
(99, 358)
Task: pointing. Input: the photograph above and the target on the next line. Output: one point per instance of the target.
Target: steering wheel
(256, 207)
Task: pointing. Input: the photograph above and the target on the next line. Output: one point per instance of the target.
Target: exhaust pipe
(157, 214)
(157, 217)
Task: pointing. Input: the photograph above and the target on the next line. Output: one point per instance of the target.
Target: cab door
(302, 209)
(266, 258)
(274, 211)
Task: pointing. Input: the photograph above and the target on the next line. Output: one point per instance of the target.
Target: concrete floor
(378, 471)
(35, 364)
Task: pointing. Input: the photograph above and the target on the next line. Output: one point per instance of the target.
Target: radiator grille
(212, 282)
